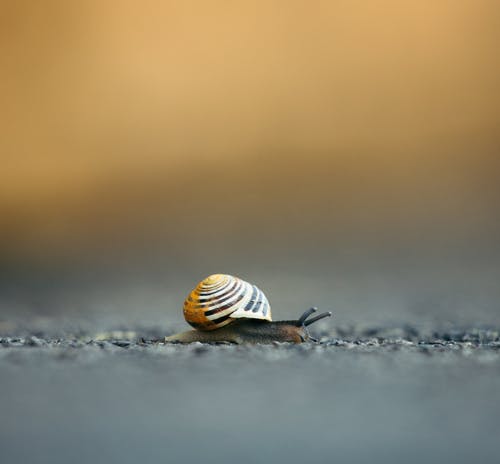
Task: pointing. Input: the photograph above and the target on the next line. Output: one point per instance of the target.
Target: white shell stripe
(225, 300)
(228, 298)
(237, 301)
(205, 296)
(256, 295)
(259, 308)
(215, 289)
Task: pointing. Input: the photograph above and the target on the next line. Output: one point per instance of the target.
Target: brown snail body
(225, 309)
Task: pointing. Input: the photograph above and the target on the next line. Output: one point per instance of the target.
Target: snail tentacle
(317, 318)
(306, 314)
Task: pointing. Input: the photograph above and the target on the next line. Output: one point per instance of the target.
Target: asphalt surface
(361, 395)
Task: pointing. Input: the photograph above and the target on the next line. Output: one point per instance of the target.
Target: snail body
(226, 309)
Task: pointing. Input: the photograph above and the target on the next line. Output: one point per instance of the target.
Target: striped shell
(219, 299)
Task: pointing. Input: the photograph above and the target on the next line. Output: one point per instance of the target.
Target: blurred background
(343, 154)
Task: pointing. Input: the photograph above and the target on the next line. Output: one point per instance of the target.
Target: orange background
(338, 153)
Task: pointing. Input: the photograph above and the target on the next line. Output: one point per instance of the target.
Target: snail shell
(220, 299)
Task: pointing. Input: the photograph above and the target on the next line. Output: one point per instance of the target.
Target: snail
(226, 309)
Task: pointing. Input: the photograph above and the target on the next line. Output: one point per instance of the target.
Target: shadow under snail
(226, 309)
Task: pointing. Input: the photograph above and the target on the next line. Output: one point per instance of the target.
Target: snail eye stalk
(306, 314)
(303, 319)
(317, 318)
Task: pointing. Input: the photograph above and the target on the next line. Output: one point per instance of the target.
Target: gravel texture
(360, 395)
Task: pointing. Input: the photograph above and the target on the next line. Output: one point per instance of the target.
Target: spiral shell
(219, 299)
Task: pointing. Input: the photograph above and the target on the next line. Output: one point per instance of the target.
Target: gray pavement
(371, 395)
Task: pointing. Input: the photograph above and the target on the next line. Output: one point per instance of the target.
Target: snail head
(304, 321)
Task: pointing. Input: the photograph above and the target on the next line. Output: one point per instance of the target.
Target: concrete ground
(371, 395)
